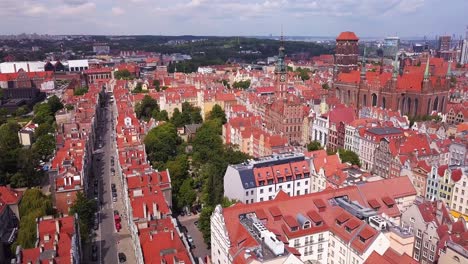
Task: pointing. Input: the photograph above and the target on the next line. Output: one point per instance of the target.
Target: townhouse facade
(260, 180)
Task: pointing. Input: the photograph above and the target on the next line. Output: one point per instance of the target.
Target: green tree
(123, 75)
(161, 143)
(241, 84)
(157, 85)
(9, 136)
(145, 108)
(34, 204)
(314, 145)
(69, 107)
(176, 118)
(217, 112)
(349, 156)
(42, 113)
(226, 84)
(186, 195)
(43, 129)
(303, 73)
(161, 116)
(325, 86)
(44, 146)
(138, 88)
(3, 115)
(21, 111)
(85, 209)
(54, 103)
(80, 91)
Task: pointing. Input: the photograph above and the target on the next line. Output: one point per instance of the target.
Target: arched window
(364, 100)
(383, 103)
(436, 104)
(349, 97)
(442, 102)
(429, 107)
(338, 94)
(374, 99)
(416, 105)
(408, 109)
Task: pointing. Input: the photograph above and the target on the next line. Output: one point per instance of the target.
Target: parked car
(114, 194)
(190, 239)
(113, 187)
(116, 212)
(114, 199)
(122, 257)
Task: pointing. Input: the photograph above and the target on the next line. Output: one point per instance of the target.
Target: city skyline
(410, 18)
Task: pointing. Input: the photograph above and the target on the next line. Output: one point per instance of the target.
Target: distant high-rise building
(346, 52)
(391, 46)
(444, 43)
(464, 49)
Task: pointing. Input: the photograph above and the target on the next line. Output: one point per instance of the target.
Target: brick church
(415, 88)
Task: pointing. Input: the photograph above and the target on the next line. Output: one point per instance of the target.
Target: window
(432, 247)
(298, 192)
(270, 197)
(289, 185)
(306, 182)
(261, 190)
(319, 256)
(246, 193)
(251, 192)
(418, 233)
(424, 254)
(251, 200)
(426, 244)
(416, 256)
(431, 257)
(69, 201)
(270, 189)
(298, 183)
(261, 199)
(412, 220)
(418, 244)
(296, 243)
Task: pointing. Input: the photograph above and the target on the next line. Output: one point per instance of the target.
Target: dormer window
(306, 225)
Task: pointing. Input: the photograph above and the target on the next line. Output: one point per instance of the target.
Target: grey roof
(384, 130)
(247, 178)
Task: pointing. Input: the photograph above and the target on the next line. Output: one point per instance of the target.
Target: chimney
(57, 226)
(41, 248)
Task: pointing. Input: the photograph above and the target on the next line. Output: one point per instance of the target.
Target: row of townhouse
(343, 225)
(69, 172)
(438, 237)
(249, 136)
(147, 192)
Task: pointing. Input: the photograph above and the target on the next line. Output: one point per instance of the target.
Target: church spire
(426, 72)
(363, 66)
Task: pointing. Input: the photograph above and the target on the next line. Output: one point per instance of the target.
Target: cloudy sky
(372, 18)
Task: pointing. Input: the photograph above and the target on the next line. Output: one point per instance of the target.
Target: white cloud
(117, 11)
(76, 9)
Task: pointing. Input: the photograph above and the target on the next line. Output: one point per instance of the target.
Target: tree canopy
(145, 108)
(217, 113)
(80, 91)
(349, 156)
(123, 75)
(161, 143)
(86, 209)
(303, 73)
(241, 84)
(34, 204)
(314, 145)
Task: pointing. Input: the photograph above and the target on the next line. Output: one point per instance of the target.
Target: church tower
(281, 74)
